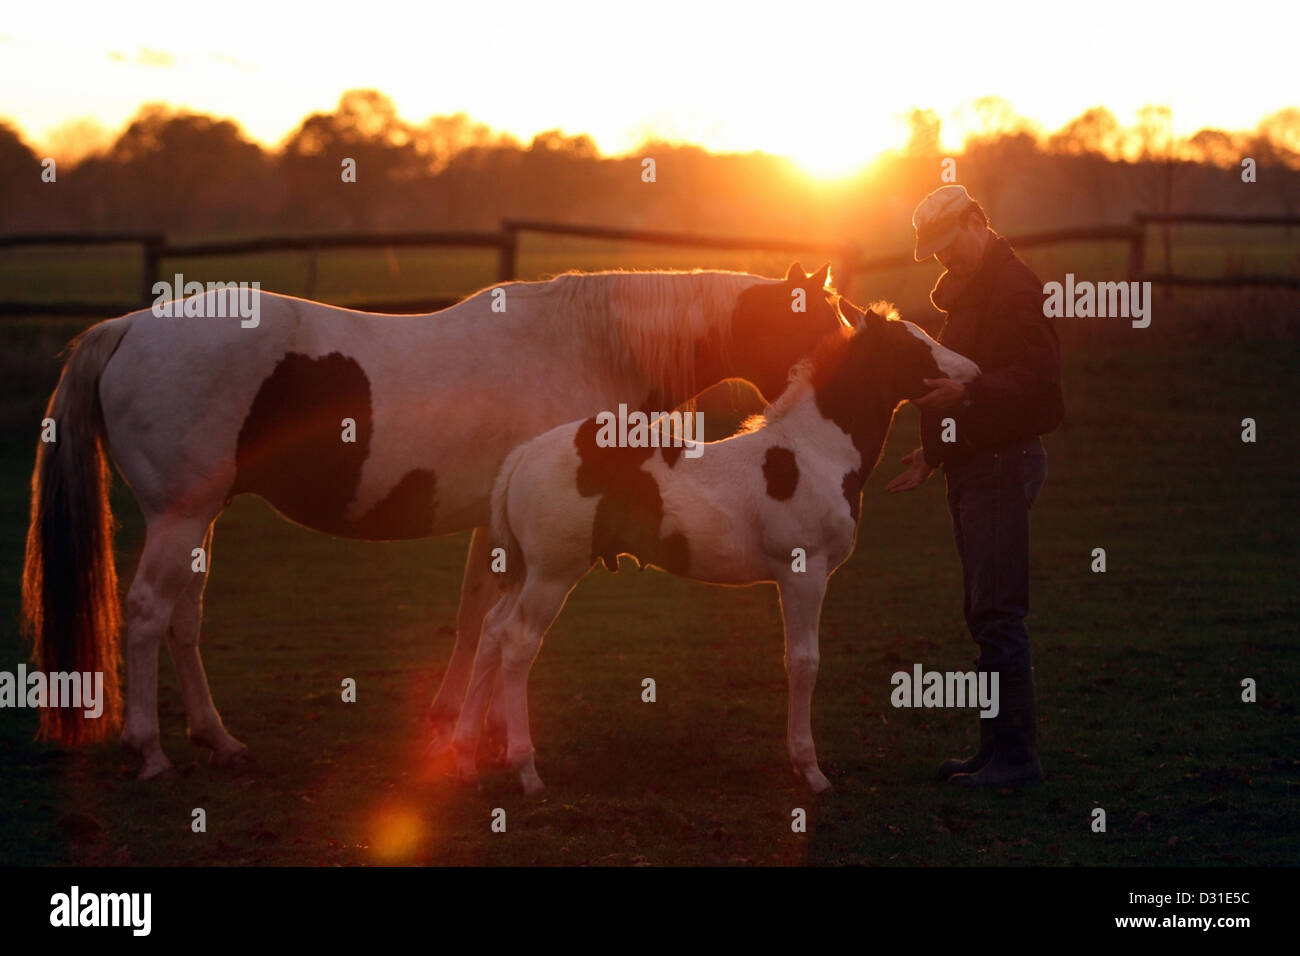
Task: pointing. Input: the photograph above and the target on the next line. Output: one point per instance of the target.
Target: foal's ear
(795, 273)
(852, 314)
(822, 276)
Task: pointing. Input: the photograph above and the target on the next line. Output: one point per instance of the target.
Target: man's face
(962, 256)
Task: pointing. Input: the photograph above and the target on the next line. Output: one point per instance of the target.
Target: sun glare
(832, 149)
(829, 165)
(395, 834)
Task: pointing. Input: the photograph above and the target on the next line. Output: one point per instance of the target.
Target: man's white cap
(938, 219)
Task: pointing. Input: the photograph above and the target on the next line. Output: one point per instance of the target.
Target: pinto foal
(733, 515)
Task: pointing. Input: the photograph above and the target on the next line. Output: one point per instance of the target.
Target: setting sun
(846, 153)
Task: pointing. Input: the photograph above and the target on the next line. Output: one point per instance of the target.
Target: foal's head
(859, 383)
(898, 355)
(775, 324)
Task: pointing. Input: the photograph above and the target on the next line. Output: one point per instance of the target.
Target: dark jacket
(996, 319)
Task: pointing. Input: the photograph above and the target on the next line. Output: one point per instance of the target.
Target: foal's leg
(495, 728)
(537, 607)
(161, 579)
(205, 726)
(469, 723)
(478, 592)
(801, 608)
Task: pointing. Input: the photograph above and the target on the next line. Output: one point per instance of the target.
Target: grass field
(1138, 671)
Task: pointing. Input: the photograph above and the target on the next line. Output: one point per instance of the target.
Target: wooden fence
(848, 260)
(1168, 278)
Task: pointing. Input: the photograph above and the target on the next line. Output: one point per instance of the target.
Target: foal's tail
(502, 536)
(71, 611)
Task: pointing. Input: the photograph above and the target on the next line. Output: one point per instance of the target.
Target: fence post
(508, 252)
(150, 250)
(1137, 249)
(312, 255)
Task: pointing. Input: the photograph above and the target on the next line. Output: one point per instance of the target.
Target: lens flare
(396, 832)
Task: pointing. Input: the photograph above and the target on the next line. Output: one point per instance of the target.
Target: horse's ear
(795, 273)
(822, 276)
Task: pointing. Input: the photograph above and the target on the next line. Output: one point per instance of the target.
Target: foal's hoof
(438, 748)
(533, 787)
(440, 721)
(442, 735)
(468, 777)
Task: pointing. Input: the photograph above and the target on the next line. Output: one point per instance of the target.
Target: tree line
(189, 175)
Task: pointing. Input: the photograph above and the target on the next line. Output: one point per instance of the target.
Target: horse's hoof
(534, 787)
(155, 770)
(817, 780)
(217, 740)
(238, 759)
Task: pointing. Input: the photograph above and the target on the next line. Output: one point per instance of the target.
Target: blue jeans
(989, 497)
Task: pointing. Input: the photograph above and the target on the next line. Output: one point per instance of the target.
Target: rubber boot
(982, 756)
(1015, 754)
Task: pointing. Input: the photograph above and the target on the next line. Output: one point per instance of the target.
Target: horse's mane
(643, 322)
(805, 371)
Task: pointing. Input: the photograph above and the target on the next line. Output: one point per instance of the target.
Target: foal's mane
(805, 371)
(646, 323)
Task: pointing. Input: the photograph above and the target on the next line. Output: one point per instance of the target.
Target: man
(986, 436)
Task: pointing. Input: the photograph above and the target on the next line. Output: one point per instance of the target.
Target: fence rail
(154, 248)
(78, 238)
(1214, 219)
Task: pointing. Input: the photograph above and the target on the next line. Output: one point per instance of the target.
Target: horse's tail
(502, 536)
(71, 611)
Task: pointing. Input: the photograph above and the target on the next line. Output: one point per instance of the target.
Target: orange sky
(827, 85)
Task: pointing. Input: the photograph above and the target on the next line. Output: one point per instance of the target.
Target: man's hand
(915, 475)
(944, 393)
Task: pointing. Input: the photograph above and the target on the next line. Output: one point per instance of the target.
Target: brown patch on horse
(630, 510)
(781, 472)
(405, 512)
(290, 448)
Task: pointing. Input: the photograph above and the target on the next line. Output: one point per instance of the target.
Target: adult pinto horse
(197, 410)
